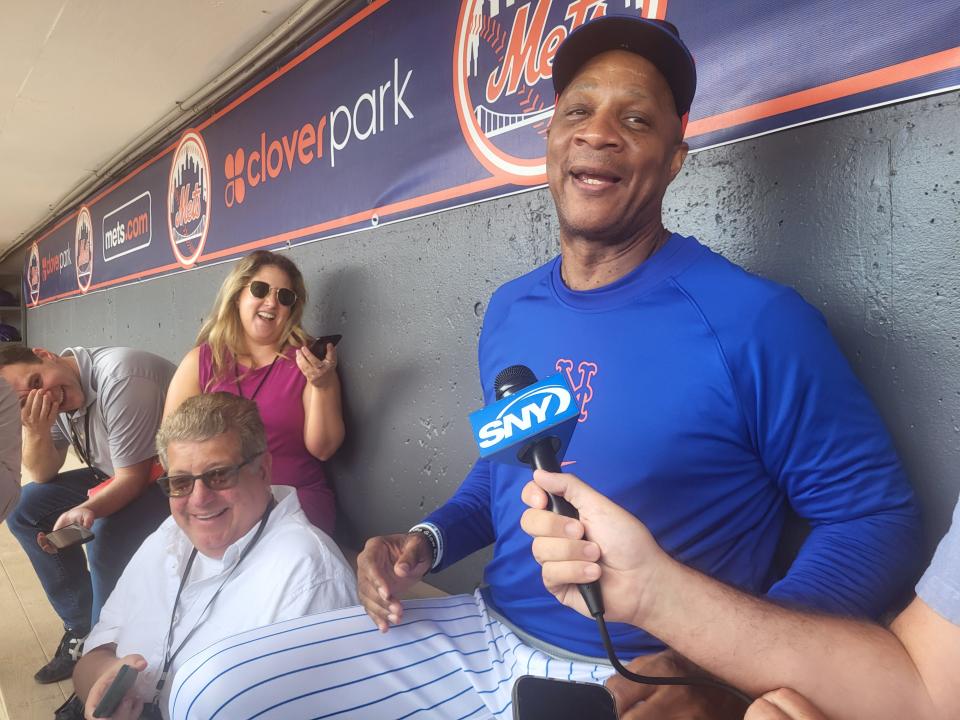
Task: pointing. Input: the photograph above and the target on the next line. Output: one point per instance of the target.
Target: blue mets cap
(656, 40)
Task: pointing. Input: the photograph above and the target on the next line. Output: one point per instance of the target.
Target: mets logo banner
(404, 107)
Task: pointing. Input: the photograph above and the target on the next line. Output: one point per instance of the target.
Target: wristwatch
(434, 537)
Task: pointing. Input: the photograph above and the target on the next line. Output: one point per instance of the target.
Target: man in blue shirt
(710, 400)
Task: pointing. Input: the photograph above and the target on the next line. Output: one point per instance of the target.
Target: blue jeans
(76, 593)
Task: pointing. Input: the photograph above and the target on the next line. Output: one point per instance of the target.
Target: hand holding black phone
(110, 701)
(319, 346)
(69, 535)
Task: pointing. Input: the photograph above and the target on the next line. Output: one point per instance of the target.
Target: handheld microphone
(530, 425)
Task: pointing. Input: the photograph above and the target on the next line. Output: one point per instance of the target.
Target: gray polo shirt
(940, 585)
(124, 391)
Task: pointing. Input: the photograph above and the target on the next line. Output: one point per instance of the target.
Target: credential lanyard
(259, 385)
(83, 450)
(168, 657)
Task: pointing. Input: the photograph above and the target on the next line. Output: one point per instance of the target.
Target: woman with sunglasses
(252, 345)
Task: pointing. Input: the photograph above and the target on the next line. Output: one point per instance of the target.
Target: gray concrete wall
(860, 214)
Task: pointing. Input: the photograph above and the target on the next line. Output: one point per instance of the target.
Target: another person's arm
(132, 409)
(10, 449)
(127, 485)
(783, 704)
(849, 669)
(185, 382)
(323, 428)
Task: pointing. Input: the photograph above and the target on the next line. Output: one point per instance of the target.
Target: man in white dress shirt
(236, 554)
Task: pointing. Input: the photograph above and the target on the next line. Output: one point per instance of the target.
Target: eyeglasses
(260, 289)
(217, 479)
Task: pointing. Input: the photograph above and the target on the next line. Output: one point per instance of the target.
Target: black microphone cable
(652, 680)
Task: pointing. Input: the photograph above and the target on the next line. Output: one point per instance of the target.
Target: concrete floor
(29, 633)
(30, 630)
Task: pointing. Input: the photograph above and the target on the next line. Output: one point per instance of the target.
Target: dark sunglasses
(260, 289)
(217, 479)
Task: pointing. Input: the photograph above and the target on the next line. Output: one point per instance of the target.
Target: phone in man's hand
(537, 698)
(319, 346)
(69, 535)
(110, 701)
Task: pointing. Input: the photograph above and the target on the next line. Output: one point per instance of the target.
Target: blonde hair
(202, 417)
(222, 330)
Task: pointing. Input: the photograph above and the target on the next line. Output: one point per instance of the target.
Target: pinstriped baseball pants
(447, 659)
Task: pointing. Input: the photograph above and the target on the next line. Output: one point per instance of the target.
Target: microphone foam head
(511, 379)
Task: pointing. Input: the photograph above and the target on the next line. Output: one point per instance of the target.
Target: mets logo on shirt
(83, 248)
(502, 69)
(188, 198)
(33, 274)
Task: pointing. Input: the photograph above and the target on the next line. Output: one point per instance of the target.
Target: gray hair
(203, 417)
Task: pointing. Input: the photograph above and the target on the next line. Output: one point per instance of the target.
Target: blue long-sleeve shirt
(710, 398)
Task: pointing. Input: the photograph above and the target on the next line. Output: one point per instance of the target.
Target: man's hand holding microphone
(641, 584)
(621, 553)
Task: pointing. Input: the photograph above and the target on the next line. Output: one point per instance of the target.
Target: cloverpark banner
(406, 107)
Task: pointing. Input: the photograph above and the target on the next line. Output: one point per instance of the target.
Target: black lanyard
(168, 657)
(83, 450)
(259, 385)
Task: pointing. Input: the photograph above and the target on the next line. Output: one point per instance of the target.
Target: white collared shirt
(294, 570)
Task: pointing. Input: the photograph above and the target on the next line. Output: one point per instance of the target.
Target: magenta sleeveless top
(280, 401)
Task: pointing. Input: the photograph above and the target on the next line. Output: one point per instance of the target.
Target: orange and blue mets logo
(581, 382)
(83, 249)
(188, 199)
(33, 273)
(502, 70)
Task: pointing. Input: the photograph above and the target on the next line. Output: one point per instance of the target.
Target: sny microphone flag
(507, 427)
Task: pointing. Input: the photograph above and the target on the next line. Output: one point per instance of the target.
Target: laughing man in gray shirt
(107, 403)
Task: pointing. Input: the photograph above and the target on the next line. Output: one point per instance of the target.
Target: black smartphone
(69, 535)
(118, 688)
(536, 698)
(319, 346)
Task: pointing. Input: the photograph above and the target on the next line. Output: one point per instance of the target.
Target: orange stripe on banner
(322, 42)
(927, 65)
(107, 283)
(385, 210)
(662, 10)
(259, 86)
(59, 225)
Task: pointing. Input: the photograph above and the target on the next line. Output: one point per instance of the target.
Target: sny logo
(582, 384)
(522, 412)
